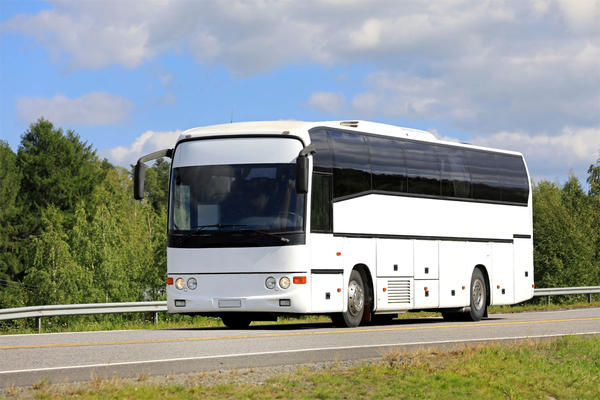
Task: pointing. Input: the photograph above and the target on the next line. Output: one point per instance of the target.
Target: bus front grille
(398, 291)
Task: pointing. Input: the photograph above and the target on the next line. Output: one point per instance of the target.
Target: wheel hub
(478, 294)
(355, 298)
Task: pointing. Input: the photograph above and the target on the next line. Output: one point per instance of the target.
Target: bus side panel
(455, 272)
(324, 258)
(394, 257)
(502, 275)
(523, 261)
(359, 251)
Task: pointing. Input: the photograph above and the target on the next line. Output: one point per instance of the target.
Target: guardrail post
(156, 318)
(589, 297)
(547, 300)
(38, 322)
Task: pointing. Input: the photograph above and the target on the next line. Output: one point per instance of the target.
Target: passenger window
(323, 158)
(351, 172)
(422, 168)
(512, 174)
(321, 208)
(484, 175)
(387, 164)
(456, 180)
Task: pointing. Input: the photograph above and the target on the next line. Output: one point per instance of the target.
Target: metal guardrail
(589, 290)
(38, 312)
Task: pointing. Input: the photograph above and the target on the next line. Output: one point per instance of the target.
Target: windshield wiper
(272, 234)
(198, 228)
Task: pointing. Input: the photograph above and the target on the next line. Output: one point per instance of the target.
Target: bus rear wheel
(236, 320)
(478, 303)
(356, 303)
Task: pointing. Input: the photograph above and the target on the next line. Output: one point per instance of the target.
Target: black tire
(478, 304)
(356, 303)
(236, 320)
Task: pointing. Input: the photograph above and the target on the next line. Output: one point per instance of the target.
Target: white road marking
(72, 367)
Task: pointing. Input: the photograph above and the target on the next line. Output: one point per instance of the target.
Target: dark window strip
(326, 271)
(442, 238)
(519, 236)
(238, 273)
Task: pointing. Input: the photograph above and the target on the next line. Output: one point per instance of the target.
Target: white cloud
(147, 142)
(551, 155)
(327, 101)
(480, 67)
(95, 108)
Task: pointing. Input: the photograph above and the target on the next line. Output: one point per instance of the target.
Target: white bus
(352, 219)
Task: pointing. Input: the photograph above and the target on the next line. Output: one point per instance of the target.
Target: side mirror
(302, 170)
(139, 172)
(139, 175)
(302, 175)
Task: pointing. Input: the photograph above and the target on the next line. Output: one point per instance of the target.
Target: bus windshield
(235, 198)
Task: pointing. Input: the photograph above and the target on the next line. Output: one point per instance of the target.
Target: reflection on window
(236, 197)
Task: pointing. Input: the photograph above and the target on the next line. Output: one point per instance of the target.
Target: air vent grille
(398, 291)
(352, 124)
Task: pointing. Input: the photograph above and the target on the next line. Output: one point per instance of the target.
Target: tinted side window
(351, 171)
(321, 216)
(387, 164)
(323, 158)
(456, 180)
(513, 177)
(484, 175)
(422, 168)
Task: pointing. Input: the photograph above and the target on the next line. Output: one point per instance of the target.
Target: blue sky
(128, 75)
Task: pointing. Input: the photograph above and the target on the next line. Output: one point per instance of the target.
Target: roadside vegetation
(70, 232)
(567, 368)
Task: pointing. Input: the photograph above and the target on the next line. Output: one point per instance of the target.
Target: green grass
(567, 368)
(166, 321)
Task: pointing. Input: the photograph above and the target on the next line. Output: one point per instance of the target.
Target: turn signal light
(384, 289)
(299, 280)
(498, 286)
(169, 281)
(338, 254)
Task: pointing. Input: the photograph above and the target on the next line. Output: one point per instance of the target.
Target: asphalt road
(67, 357)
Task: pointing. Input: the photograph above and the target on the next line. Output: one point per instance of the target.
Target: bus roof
(301, 128)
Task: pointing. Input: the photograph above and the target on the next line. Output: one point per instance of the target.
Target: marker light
(299, 280)
(179, 283)
(192, 283)
(270, 282)
(284, 282)
(169, 281)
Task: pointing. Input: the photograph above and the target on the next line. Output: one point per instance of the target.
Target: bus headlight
(270, 282)
(192, 283)
(179, 283)
(284, 282)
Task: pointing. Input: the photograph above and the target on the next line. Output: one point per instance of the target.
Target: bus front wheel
(356, 303)
(236, 320)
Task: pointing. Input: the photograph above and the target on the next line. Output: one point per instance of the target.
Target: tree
(58, 170)
(10, 183)
(564, 239)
